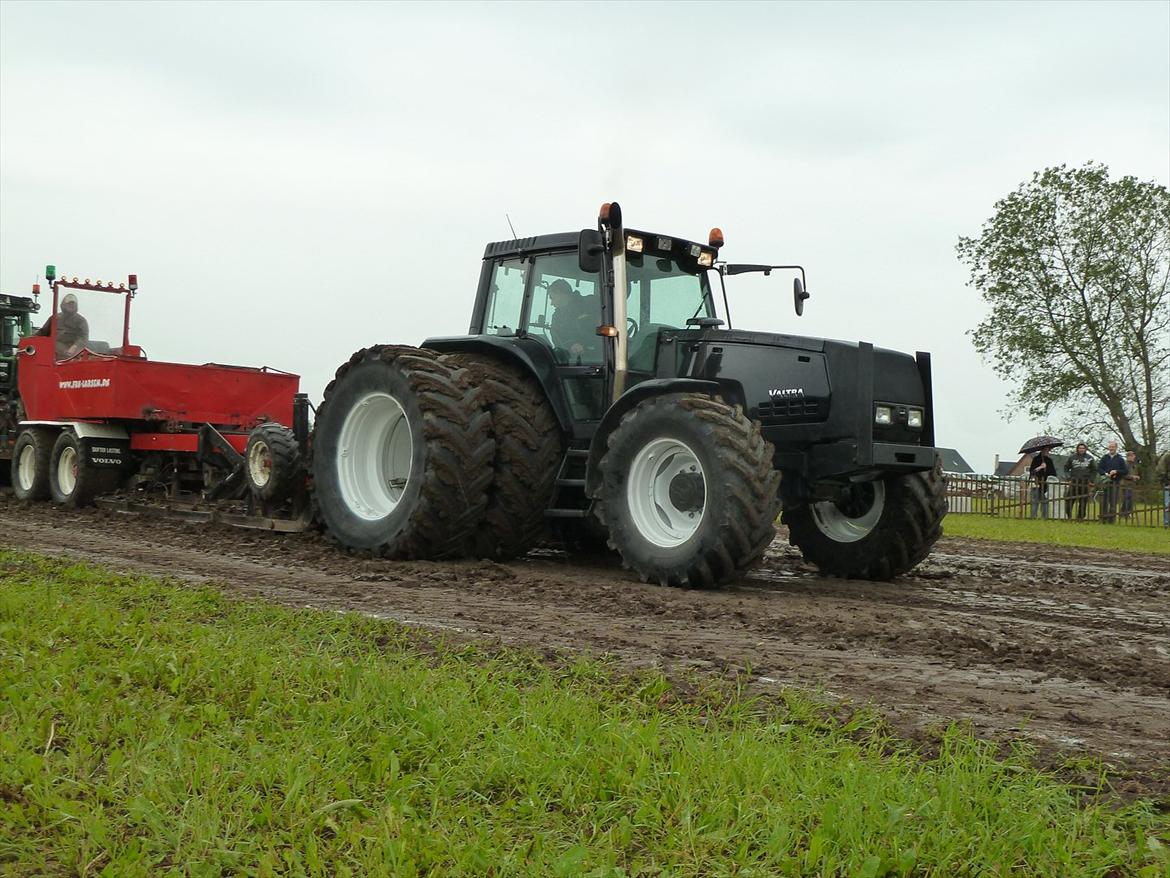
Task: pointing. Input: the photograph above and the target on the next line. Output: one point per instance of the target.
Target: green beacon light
(50, 272)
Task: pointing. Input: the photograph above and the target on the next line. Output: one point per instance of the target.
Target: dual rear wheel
(51, 465)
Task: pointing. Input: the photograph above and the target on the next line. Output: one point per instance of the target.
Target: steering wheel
(631, 327)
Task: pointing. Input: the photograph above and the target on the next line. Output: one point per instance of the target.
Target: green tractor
(15, 323)
(600, 391)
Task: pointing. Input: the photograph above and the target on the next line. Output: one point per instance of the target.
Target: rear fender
(632, 397)
(514, 351)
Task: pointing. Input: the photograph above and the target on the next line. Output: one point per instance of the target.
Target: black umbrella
(1038, 443)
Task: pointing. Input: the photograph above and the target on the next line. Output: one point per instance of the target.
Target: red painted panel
(188, 442)
(130, 388)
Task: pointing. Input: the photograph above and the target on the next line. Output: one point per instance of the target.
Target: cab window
(566, 310)
(506, 298)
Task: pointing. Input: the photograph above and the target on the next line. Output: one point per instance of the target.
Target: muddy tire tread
(746, 525)
(453, 494)
(528, 453)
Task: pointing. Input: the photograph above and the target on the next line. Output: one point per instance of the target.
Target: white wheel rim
(260, 464)
(663, 518)
(67, 470)
(842, 527)
(374, 454)
(26, 470)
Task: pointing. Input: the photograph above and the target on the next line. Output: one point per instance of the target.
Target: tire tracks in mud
(1069, 650)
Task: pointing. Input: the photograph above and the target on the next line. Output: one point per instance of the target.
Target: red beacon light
(133, 282)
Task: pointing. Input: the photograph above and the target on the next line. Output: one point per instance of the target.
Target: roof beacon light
(36, 289)
(634, 244)
(715, 239)
(603, 214)
(50, 272)
(133, 282)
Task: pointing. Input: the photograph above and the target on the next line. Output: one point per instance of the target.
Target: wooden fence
(1140, 506)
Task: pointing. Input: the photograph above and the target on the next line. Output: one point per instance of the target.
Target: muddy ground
(1066, 648)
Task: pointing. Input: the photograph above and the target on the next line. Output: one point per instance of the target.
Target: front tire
(401, 456)
(876, 530)
(689, 495)
(30, 464)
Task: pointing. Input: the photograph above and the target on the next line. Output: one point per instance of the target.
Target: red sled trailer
(95, 416)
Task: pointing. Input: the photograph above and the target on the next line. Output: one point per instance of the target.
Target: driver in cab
(574, 322)
(72, 328)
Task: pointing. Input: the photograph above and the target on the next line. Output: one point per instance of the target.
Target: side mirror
(589, 250)
(799, 294)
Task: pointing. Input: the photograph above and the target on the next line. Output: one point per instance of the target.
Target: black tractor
(598, 391)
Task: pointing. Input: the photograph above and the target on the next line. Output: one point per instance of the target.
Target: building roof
(953, 462)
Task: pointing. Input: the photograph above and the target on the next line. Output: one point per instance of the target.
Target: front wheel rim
(375, 450)
(849, 524)
(666, 491)
(26, 470)
(67, 471)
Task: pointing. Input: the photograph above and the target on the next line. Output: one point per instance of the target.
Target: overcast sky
(295, 181)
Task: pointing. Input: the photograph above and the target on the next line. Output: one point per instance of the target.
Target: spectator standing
(1040, 469)
(1078, 469)
(1111, 468)
(1162, 475)
(1128, 483)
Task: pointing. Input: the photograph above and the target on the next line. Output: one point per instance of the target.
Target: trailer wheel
(73, 479)
(876, 530)
(30, 463)
(401, 456)
(689, 494)
(528, 454)
(272, 463)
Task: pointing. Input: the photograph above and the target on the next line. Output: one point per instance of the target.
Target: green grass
(150, 729)
(1091, 534)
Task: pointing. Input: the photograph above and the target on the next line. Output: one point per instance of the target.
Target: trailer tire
(272, 463)
(884, 530)
(73, 479)
(528, 453)
(401, 456)
(30, 463)
(688, 494)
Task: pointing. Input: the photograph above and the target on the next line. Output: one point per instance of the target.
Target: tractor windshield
(664, 295)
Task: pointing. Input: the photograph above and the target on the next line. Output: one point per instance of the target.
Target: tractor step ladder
(569, 500)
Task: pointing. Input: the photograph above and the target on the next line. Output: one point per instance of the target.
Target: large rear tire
(30, 463)
(529, 448)
(74, 480)
(877, 530)
(689, 494)
(401, 456)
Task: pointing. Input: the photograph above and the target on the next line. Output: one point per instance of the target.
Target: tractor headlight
(883, 415)
(914, 418)
(634, 243)
(706, 258)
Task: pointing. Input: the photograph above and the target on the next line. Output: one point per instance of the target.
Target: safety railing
(1140, 504)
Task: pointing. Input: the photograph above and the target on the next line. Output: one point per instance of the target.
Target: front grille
(798, 410)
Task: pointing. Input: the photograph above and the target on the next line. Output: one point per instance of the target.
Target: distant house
(953, 462)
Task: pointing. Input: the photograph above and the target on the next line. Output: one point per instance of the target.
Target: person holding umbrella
(1040, 469)
(1112, 469)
